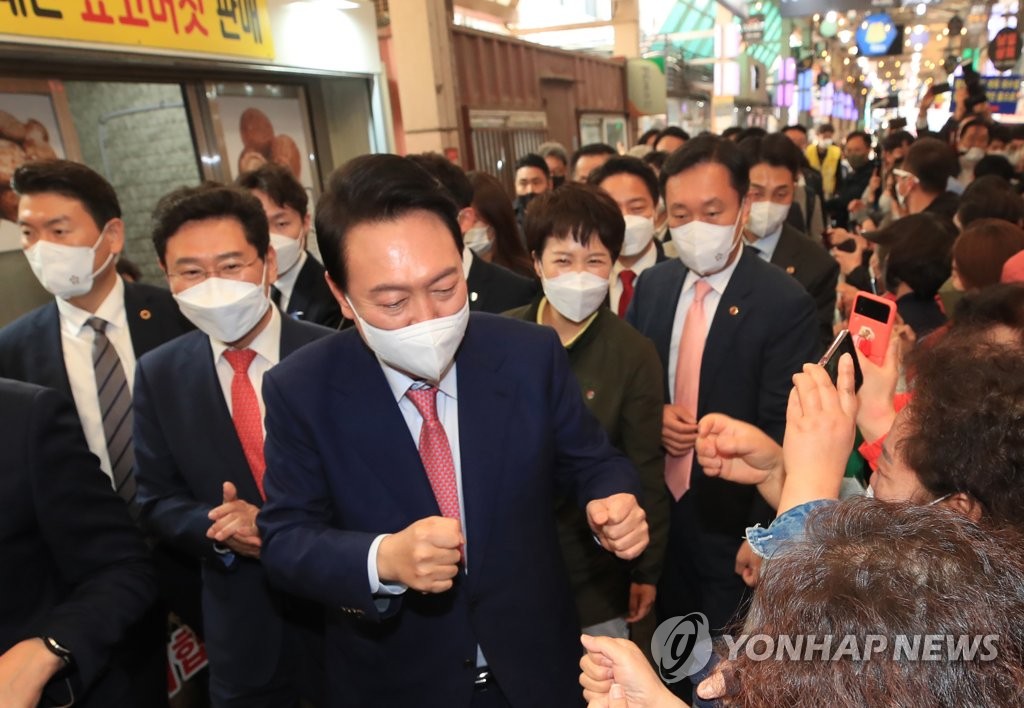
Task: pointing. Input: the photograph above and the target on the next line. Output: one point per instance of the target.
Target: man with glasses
(921, 184)
(199, 441)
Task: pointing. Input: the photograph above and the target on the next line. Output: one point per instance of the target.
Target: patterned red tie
(435, 452)
(627, 277)
(245, 412)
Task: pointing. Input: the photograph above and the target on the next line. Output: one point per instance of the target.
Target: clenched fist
(424, 556)
(620, 525)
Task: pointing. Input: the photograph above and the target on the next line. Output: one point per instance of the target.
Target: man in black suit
(774, 168)
(199, 442)
(491, 288)
(731, 331)
(85, 343)
(634, 187)
(76, 570)
(300, 289)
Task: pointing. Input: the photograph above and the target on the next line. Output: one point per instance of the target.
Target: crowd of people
(411, 471)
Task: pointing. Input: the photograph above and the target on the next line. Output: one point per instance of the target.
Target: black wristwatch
(58, 649)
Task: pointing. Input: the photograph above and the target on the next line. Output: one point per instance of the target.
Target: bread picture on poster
(20, 142)
(262, 145)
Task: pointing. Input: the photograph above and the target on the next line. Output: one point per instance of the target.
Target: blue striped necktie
(116, 408)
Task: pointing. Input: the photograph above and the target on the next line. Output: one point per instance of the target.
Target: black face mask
(558, 181)
(523, 201)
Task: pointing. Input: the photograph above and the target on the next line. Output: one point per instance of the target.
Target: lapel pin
(734, 310)
(473, 297)
(790, 269)
(145, 314)
(590, 394)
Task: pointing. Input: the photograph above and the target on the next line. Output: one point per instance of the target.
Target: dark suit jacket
(76, 568)
(495, 289)
(186, 447)
(816, 270)
(311, 299)
(30, 347)
(343, 468)
(763, 331)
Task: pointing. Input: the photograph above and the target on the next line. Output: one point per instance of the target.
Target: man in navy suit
(413, 466)
(757, 327)
(300, 289)
(199, 442)
(76, 569)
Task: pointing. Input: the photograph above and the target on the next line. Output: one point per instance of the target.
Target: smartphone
(871, 322)
(842, 344)
(847, 246)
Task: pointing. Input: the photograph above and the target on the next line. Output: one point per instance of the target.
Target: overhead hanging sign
(1004, 49)
(233, 27)
(1002, 92)
(753, 29)
(646, 87)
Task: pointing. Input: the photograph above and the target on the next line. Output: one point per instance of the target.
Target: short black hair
(796, 126)
(775, 150)
(209, 201)
(655, 158)
(1000, 132)
(589, 150)
(752, 132)
(729, 132)
(990, 196)
(897, 140)
(554, 149)
(653, 132)
(827, 128)
(862, 135)
(921, 255)
(73, 180)
(710, 149)
(532, 159)
(626, 165)
(278, 183)
(996, 165)
(576, 210)
(672, 131)
(970, 123)
(932, 162)
(376, 188)
(451, 176)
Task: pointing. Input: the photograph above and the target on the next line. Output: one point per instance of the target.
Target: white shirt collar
(111, 309)
(467, 263)
(267, 343)
(768, 244)
(400, 383)
(286, 283)
(646, 261)
(718, 281)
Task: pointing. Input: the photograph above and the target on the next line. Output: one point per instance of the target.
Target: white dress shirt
(76, 338)
(615, 284)
(467, 263)
(766, 246)
(285, 282)
(267, 346)
(718, 282)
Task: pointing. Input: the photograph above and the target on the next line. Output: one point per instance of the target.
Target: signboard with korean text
(1002, 92)
(232, 27)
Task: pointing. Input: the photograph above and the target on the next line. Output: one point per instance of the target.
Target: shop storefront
(155, 94)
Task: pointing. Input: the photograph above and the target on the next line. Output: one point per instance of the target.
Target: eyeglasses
(229, 270)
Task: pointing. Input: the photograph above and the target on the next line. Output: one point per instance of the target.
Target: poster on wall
(257, 129)
(34, 125)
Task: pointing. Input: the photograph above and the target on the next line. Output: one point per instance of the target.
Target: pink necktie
(691, 351)
(245, 412)
(435, 452)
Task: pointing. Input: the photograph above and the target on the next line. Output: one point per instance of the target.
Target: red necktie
(435, 452)
(691, 353)
(627, 277)
(245, 412)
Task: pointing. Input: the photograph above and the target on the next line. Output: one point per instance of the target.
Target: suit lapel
(52, 372)
(476, 282)
(145, 321)
(298, 303)
(664, 306)
(733, 308)
(785, 256)
(380, 436)
(485, 407)
(213, 417)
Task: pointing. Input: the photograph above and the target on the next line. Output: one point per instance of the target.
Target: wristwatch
(58, 649)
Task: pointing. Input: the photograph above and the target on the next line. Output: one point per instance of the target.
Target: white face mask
(65, 271)
(478, 239)
(766, 218)
(576, 296)
(971, 157)
(225, 309)
(423, 350)
(288, 251)
(825, 143)
(639, 232)
(705, 248)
